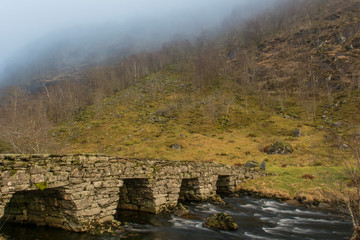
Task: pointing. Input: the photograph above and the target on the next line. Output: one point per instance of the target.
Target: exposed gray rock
(293, 165)
(252, 164)
(337, 124)
(297, 132)
(325, 206)
(176, 146)
(220, 221)
(343, 146)
(280, 148)
(263, 166)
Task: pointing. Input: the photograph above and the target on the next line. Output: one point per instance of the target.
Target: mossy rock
(217, 200)
(220, 221)
(106, 228)
(181, 211)
(280, 148)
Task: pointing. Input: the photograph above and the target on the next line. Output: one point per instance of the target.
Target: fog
(61, 34)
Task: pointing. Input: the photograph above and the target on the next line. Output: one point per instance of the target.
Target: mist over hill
(49, 39)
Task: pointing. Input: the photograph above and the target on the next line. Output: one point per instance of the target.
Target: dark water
(257, 219)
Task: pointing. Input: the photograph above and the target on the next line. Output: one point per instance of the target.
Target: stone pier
(74, 192)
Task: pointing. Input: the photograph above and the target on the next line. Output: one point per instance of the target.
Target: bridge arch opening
(136, 195)
(46, 207)
(224, 185)
(189, 190)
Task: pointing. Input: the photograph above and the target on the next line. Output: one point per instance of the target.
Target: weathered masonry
(73, 192)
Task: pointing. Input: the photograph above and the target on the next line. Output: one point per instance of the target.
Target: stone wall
(73, 192)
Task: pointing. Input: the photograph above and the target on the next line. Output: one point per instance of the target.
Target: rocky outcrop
(220, 221)
(280, 148)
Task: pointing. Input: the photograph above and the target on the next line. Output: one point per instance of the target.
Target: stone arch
(190, 190)
(225, 185)
(136, 195)
(48, 207)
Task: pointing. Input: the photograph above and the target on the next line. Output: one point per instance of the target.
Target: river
(257, 219)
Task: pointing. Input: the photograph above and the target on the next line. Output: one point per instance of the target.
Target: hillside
(289, 76)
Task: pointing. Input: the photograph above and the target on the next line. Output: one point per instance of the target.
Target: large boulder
(220, 221)
(263, 166)
(280, 148)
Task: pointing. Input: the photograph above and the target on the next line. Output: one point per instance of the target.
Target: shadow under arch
(136, 194)
(224, 185)
(48, 207)
(190, 190)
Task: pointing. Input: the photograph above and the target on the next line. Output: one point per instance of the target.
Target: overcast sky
(24, 21)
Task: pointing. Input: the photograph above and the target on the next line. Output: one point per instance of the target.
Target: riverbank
(316, 204)
(311, 186)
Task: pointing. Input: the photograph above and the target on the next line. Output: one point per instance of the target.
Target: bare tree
(24, 124)
(346, 198)
(351, 195)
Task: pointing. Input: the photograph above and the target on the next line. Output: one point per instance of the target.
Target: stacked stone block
(74, 192)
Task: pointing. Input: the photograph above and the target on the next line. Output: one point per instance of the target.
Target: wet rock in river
(109, 227)
(181, 211)
(220, 221)
(217, 200)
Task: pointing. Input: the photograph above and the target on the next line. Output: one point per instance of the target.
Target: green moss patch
(41, 186)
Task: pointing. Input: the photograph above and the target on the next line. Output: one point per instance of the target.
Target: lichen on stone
(41, 186)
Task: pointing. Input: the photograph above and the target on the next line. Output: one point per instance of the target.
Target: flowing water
(257, 219)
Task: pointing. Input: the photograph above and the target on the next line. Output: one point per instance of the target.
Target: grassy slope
(145, 120)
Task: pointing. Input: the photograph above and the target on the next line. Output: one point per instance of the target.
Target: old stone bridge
(73, 192)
